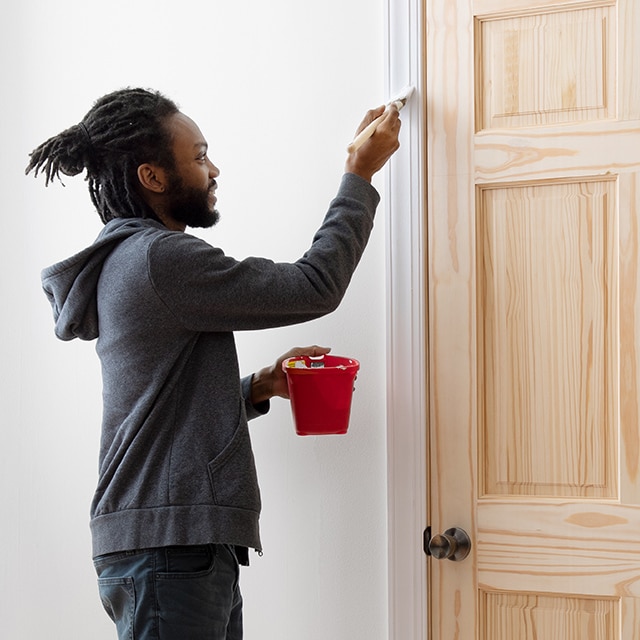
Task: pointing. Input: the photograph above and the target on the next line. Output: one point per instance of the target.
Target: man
(177, 502)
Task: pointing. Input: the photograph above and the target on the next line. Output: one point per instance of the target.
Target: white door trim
(406, 332)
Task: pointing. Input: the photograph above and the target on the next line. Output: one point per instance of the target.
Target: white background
(277, 88)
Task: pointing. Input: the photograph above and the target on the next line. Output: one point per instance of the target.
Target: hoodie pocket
(233, 474)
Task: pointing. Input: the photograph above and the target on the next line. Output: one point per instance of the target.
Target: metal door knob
(454, 544)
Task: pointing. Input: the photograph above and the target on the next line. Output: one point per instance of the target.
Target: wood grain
(533, 201)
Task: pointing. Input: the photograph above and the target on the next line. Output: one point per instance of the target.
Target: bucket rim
(338, 363)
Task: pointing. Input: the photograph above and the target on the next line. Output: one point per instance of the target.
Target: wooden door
(533, 207)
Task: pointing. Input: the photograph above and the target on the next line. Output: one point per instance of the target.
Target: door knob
(454, 544)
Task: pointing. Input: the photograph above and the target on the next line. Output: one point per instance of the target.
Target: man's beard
(190, 205)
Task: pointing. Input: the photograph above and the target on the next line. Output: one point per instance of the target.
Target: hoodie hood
(71, 285)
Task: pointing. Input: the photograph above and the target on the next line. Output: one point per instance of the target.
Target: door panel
(547, 338)
(548, 67)
(533, 198)
(509, 615)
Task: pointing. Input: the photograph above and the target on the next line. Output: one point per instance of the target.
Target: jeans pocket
(187, 562)
(119, 601)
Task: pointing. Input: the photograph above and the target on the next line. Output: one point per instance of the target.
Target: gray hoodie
(176, 465)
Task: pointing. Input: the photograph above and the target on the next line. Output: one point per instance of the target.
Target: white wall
(278, 88)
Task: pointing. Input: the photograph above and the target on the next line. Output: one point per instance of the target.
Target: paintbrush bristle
(403, 96)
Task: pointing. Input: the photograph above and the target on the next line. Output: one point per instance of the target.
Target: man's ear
(152, 177)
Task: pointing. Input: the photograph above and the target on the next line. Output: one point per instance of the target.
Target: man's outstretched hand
(374, 153)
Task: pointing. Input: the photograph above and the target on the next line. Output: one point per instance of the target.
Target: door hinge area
(426, 538)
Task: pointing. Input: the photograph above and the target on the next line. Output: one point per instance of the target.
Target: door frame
(407, 433)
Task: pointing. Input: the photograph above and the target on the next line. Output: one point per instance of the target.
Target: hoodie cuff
(253, 411)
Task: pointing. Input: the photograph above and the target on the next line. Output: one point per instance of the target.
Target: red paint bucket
(320, 389)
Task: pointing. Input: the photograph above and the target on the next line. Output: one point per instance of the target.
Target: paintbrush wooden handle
(365, 134)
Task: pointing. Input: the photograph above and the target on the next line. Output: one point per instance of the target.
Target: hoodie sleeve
(209, 291)
(252, 410)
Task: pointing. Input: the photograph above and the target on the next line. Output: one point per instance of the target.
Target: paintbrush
(399, 101)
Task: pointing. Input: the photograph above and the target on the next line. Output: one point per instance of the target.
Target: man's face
(191, 189)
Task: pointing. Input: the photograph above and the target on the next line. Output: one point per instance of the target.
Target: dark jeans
(172, 593)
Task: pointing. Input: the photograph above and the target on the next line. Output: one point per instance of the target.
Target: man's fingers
(371, 115)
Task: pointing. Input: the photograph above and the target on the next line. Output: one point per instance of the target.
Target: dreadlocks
(123, 130)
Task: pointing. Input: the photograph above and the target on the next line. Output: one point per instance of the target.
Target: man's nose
(214, 172)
